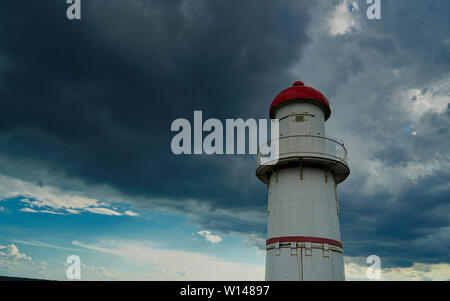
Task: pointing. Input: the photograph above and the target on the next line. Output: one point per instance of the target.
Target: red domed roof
(298, 93)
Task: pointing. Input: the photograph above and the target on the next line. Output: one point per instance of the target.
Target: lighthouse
(304, 240)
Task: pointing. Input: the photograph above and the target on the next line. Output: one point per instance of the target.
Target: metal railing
(307, 145)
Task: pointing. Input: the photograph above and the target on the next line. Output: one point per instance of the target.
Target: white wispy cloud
(210, 237)
(43, 196)
(73, 211)
(36, 243)
(51, 212)
(52, 200)
(29, 210)
(103, 211)
(11, 252)
(434, 98)
(131, 213)
(342, 20)
(170, 264)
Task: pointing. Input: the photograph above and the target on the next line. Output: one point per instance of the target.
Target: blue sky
(85, 114)
(119, 247)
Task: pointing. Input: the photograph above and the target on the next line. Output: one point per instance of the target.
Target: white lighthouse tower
(304, 240)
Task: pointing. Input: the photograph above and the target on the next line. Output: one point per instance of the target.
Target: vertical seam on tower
(301, 260)
(301, 169)
(337, 200)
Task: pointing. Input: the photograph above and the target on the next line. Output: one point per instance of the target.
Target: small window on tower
(300, 118)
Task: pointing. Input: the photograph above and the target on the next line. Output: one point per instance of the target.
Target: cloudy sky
(86, 109)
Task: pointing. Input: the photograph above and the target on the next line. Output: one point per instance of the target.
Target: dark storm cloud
(412, 226)
(94, 100)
